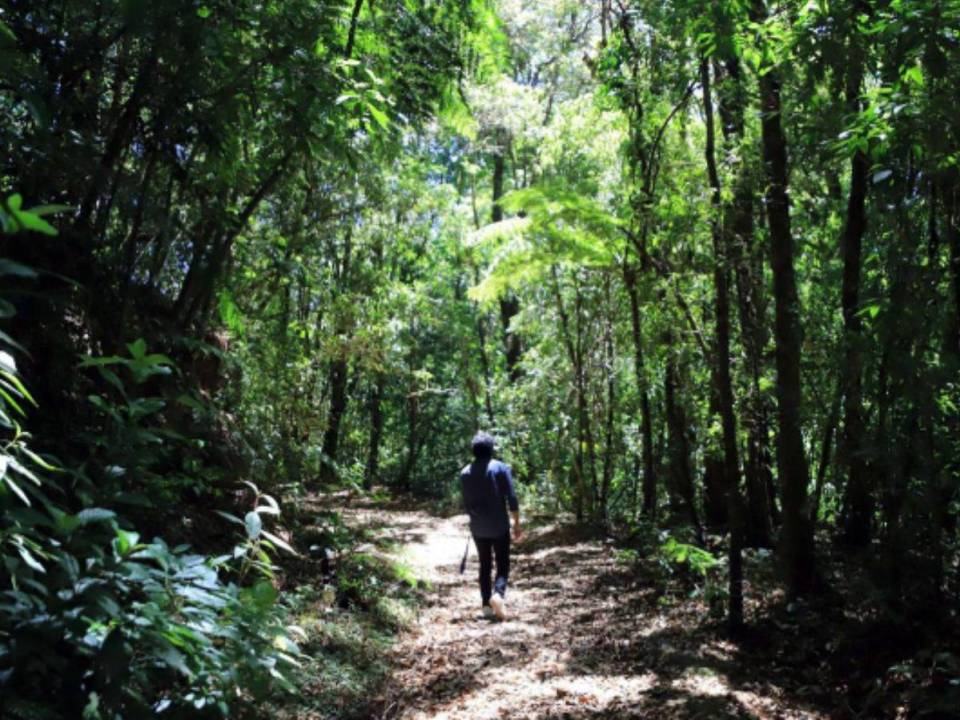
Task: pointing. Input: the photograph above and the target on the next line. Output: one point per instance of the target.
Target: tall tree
(741, 245)
(858, 499)
(721, 360)
(796, 542)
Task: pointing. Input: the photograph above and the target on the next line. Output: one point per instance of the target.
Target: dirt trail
(585, 638)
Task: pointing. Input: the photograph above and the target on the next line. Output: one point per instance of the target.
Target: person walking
(487, 489)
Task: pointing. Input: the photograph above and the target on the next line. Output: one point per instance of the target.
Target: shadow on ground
(587, 638)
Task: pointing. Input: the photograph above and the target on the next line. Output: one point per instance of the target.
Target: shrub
(94, 621)
(695, 566)
(122, 626)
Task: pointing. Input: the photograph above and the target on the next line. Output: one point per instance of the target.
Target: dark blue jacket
(487, 490)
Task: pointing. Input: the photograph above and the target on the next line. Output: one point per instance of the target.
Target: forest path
(584, 638)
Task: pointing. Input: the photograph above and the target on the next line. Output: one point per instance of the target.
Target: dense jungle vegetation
(695, 265)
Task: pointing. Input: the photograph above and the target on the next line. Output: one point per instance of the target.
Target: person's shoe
(499, 606)
(488, 612)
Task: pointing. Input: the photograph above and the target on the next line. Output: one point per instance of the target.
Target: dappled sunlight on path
(582, 640)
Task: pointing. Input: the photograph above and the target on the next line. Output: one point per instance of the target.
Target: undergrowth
(351, 619)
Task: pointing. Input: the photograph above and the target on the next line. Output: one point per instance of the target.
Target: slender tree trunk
(201, 277)
(649, 472)
(372, 473)
(509, 309)
(337, 380)
(161, 243)
(609, 359)
(352, 33)
(858, 498)
(129, 246)
(583, 381)
(895, 542)
(738, 231)
(604, 21)
(760, 490)
(951, 205)
(796, 537)
(573, 356)
(826, 451)
(940, 463)
(715, 513)
(722, 379)
(118, 138)
(950, 192)
(678, 443)
(413, 442)
(485, 368)
(646, 429)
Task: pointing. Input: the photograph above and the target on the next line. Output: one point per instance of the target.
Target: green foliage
(15, 218)
(348, 631)
(92, 617)
(363, 578)
(253, 554)
(137, 455)
(345, 659)
(677, 554)
(628, 557)
(554, 226)
(135, 627)
(289, 208)
(697, 567)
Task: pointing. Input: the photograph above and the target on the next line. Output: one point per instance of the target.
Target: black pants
(501, 548)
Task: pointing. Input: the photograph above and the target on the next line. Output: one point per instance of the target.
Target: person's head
(482, 446)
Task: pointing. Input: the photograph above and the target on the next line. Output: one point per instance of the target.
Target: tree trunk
(574, 357)
(649, 473)
(485, 368)
(352, 33)
(337, 380)
(413, 442)
(201, 277)
(796, 537)
(715, 513)
(826, 449)
(372, 473)
(609, 362)
(118, 139)
(739, 237)
(951, 205)
(723, 382)
(761, 495)
(509, 308)
(646, 430)
(678, 444)
(858, 498)
(337, 377)
(950, 191)
(585, 419)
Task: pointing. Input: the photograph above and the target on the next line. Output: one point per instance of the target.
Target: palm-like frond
(553, 226)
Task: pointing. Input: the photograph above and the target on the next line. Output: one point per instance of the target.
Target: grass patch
(349, 628)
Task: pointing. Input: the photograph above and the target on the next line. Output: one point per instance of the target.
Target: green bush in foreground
(96, 623)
